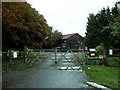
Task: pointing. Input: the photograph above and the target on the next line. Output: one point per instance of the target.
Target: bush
(99, 49)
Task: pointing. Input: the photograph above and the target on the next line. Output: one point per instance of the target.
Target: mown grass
(107, 76)
(112, 61)
(81, 56)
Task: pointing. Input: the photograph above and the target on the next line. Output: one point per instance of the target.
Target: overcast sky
(69, 16)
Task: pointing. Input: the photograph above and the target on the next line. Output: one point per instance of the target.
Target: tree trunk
(105, 57)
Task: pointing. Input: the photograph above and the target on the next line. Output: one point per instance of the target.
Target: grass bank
(107, 76)
(19, 62)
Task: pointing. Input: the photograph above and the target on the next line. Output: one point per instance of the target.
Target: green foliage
(115, 11)
(53, 39)
(116, 32)
(107, 38)
(22, 25)
(98, 29)
(114, 61)
(18, 65)
(91, 38)
(97, 74)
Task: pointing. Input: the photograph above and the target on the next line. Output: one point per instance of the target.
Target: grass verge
(112, 61)
(19, 63)
(107, 76)
(15, 65)
(80, 55)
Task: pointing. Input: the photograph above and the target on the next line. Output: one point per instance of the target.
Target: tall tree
(95, 25)
(116, 32)
(115, 11)
(98, 29)
(107, 41)
(91, 39)
(22, 25)
(53, 39)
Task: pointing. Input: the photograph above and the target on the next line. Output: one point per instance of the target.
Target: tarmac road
(47, 74)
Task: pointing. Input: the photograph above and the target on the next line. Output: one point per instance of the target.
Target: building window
(63, 45)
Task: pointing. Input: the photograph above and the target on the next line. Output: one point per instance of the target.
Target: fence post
(86, 55)
(56, 55)
(10, 55)
(25, 54)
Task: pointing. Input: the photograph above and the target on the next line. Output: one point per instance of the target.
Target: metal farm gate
(65, 59)
(68, 55)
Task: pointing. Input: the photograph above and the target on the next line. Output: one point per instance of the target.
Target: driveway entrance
(66, 73)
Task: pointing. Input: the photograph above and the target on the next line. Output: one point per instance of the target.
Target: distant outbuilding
(71, 41)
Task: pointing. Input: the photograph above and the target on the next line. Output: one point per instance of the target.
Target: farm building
(71, 41)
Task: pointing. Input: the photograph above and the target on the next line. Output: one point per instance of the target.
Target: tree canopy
(23, 26)
(99, 30)
(103, 28)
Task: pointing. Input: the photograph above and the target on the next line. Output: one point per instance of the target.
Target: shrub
(99, 49)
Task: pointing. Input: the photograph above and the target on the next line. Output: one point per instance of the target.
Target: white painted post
(110, 52)
(14, 54)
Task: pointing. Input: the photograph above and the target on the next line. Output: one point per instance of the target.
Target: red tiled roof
(66, 36)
